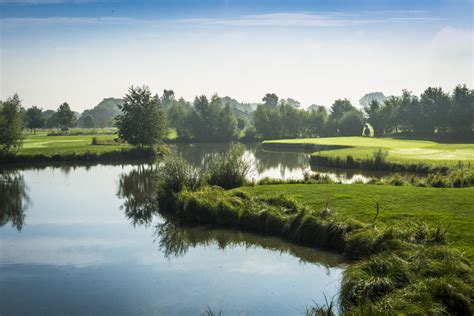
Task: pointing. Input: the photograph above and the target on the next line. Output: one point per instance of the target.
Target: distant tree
(340, 107)
(52, 121)
(369, 97)
(241, 123)
(168, 99)
(267, 121)
(142, 122)
(270, 99)
(351, 123)
(462, 110)
(11, 124)
(65, 117)
(375, 116)
(436, 105)
(34, 118)
(291, 102)
(315, 124)
(89, 121)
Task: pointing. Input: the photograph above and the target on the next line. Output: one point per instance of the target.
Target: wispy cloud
(106, 20)
(307, 19)
(44, 2)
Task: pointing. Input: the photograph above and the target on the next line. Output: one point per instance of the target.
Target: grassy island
(400, 151)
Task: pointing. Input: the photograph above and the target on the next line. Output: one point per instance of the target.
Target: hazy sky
(81, 51)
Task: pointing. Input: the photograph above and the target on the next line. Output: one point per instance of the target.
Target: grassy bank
(406, 259)
(41, 144)
(401, 151)
(397, 206)
(101, 147)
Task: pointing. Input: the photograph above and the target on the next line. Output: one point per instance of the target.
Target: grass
(398, 206)
(400, 150)
(398, 264)
(40, 144)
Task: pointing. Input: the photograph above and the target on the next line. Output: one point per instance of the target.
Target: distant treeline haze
(223, 119)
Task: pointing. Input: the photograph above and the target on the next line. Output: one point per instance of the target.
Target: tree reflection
(138, 188)
(14, 200)
(199, 154)
(175, 240)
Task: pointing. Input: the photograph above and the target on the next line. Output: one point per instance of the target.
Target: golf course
(399, 150)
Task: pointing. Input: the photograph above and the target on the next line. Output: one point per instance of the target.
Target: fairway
(398, 206)
(400, 150)
(41, 144)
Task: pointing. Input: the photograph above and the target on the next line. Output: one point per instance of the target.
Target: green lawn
(398, 205)
(58, 145)
(400, 150)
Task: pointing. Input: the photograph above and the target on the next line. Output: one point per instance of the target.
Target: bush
(228, 170)
(176, 174)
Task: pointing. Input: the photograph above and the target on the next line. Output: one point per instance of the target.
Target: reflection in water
(78, 247)
(263, 163)
(273, 164)
(138, 188)
(14, 200)
(175, 240)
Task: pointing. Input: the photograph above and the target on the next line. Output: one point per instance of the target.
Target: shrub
(380, 157)
(228, 170)
(176, 174)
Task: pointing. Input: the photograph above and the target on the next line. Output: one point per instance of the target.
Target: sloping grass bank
(398, 263)
(97, 148)
(403, 154)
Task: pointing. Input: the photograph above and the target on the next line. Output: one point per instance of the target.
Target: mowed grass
(398, 206)
(40, 144)
(400, 150)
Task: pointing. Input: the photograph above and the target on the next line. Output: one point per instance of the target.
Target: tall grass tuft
(176, 174)
(228, 170)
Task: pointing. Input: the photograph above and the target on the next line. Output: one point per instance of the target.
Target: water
(87, 241)
(272, 164)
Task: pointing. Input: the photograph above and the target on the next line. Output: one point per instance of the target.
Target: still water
(272, 164)
(88, 241)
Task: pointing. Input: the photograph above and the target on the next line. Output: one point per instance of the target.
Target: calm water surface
(272, 164)
(88, 241)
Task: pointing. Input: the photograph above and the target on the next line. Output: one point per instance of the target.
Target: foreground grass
(400, 150)
(399, 206)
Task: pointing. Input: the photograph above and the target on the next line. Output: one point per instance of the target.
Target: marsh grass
(228, 170)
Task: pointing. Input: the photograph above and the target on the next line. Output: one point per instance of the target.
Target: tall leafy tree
(462, 110)
(89, 121)
(270, 99)
(142, 122)
(11, 124)
(65, 117)
(34, 118)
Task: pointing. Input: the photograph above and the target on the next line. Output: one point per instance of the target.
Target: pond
(88, 240)
(273, 164)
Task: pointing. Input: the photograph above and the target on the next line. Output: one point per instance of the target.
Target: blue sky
(81, 51)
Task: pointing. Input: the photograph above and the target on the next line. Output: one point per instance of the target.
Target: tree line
(147, 116)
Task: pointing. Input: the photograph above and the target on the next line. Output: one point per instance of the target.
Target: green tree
(142, 122)
(65, 117)
(270, 99)
(462, 110)
(34, 118)
(315, 122)
(351, 123)
(11, 124)
(89, 121)
(436, 104)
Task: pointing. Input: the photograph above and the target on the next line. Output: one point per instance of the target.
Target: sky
(81, 51)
